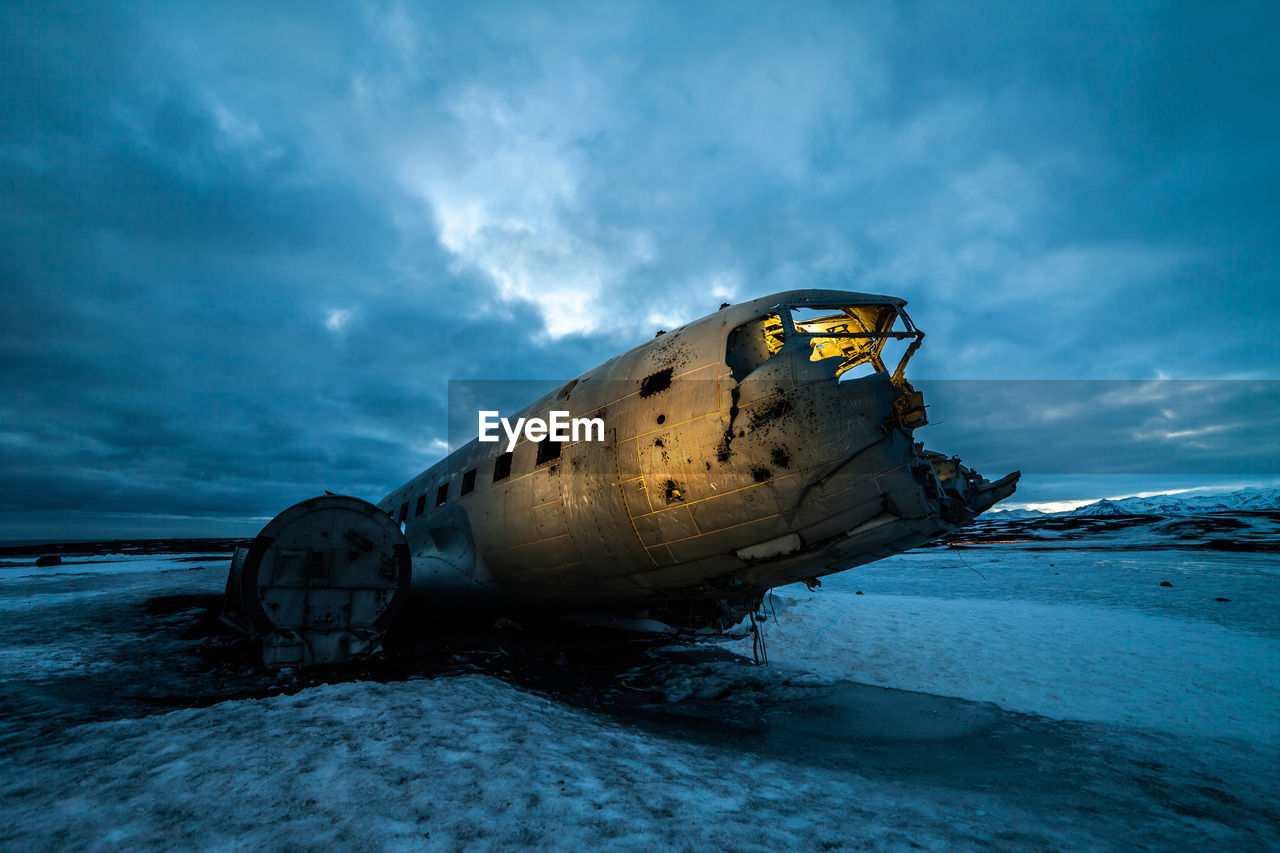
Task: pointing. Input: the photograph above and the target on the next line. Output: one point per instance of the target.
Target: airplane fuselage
(738, 454)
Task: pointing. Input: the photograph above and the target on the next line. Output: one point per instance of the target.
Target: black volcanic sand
(1237, 531)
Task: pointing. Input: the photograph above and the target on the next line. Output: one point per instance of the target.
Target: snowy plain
(1024, 694)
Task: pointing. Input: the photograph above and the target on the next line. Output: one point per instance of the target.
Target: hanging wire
(773, 614)
(969, 567)
(758, 650)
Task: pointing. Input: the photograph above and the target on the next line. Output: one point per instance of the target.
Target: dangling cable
(971, 568)
(773, 614)
(759, 653)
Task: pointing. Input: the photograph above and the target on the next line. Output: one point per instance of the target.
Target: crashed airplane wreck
(765, 444)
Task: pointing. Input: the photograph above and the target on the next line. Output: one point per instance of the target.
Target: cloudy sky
(244, 248)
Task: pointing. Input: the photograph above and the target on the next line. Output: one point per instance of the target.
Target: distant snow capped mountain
(1245, 500)
(1015, 514)
(1104, 507)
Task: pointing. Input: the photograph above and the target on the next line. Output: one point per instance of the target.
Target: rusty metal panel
(629, 459)
(666, 525)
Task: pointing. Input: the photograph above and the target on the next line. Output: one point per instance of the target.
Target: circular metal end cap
(323, 580)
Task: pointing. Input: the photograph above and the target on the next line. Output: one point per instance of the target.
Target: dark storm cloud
(1110, 427)
(243, 251)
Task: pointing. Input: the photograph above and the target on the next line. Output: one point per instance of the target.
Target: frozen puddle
(1098, 778)
(856, 713)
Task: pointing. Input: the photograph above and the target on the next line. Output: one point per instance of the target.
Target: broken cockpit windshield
(854, 334)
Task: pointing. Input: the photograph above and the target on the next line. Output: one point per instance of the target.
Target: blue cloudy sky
(243, 247)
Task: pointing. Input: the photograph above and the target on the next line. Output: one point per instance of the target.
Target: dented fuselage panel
(767, 443)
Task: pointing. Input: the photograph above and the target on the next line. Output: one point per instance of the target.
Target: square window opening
(502, 467)
(548, 450)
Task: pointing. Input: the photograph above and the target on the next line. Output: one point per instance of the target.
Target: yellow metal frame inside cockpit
(856, 335)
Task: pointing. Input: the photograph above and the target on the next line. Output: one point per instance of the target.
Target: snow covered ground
(1011, 695)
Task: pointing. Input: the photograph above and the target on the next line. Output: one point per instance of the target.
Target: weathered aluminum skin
(321, 583)
(706, 486)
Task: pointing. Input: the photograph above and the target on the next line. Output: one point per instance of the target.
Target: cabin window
(548, 450)
(855, 336)
(502, 467)
(849, 336)
(442, 494)
(752, 344)
(404, 512)
(469, 482)
(421, 507)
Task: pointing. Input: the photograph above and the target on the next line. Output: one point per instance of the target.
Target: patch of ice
(1068, 661)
